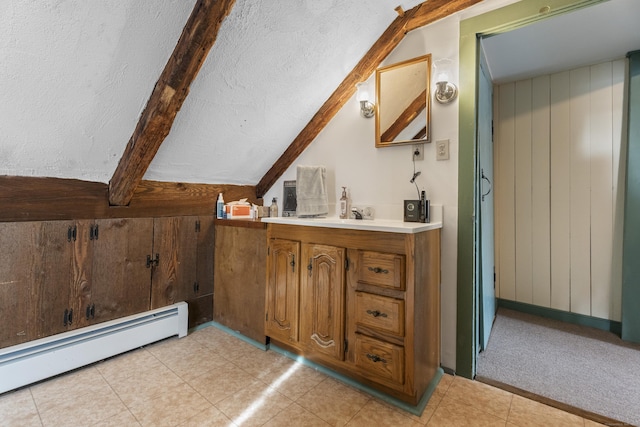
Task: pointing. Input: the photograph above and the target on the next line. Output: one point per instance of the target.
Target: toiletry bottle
(344, 204)
(423, 206)
(273, 209)
(220, 207)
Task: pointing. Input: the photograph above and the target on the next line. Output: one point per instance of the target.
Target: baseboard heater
(36, 360)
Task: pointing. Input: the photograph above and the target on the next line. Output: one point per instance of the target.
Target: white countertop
(388, 225)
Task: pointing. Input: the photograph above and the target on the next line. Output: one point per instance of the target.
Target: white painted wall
(380, 176)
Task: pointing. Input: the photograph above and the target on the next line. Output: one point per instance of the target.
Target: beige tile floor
(210, 378)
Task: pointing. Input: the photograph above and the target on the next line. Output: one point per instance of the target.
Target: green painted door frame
(631, 243)
(471, 30)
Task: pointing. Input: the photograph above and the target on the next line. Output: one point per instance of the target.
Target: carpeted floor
(582, 367)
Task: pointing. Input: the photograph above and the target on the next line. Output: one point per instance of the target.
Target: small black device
(290, 199)
(412, 210)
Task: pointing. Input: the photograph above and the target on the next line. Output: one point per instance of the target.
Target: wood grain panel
(240, 276)
(33, 199)
(522, 192)
(17, 262)
(580, 195)
(541, 197)
(560, 191)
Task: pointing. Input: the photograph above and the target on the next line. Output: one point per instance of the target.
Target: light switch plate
(442, 149)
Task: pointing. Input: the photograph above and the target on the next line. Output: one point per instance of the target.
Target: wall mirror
(403, 102)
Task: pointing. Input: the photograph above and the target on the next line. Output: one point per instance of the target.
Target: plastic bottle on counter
(273, 209)
(344, 204)
(220, 207)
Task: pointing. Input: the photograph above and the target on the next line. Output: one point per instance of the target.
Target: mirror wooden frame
(403, 102)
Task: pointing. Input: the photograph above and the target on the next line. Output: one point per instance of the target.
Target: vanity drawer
(380, 269)
(380, 360)
(382, 313)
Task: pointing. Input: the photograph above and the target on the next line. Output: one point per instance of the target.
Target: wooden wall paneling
(540, 199)
(205, 255)
(43, 199)
(601, 183)
(580, 196)
(81, 275)
(240, 276)
(619, 169)
(53, 277)
(560, 191)
(17, 269)
(506, 207)
(523, 182)
(121, 282)
(175, 241)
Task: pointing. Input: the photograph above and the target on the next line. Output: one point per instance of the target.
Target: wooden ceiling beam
(416, 17)
(169, 93)
(434, 10)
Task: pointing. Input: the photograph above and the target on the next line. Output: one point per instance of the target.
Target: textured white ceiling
(75, 76)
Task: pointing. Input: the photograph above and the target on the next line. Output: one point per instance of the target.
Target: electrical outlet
(417, 153)
(442, 149)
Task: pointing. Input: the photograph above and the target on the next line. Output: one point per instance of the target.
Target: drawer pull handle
(376, 313)
(375, 358)
(378, 270)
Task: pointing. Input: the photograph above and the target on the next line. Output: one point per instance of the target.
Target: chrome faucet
(356, 214)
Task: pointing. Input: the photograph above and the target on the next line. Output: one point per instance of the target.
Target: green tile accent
(563, 316)
(415, 410)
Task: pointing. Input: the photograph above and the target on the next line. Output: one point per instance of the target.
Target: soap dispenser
(273, 209)
(344, 204)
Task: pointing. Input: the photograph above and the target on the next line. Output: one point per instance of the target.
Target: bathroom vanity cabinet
(363, 303)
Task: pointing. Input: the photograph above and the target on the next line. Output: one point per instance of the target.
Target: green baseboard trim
(415, 410)
(563, 316)
(236, 334)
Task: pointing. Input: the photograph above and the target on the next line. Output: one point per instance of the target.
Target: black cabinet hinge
(197, 226)
(72, 233)
(68, 317)
(91, 312)
(153, 262)
(196, 287)
(346, 264)
(93, 232)
(346, 345)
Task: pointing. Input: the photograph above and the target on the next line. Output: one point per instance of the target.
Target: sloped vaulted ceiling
(76, 75)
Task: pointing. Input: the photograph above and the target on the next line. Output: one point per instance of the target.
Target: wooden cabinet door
(322, 300)
(53, 267)
(282, 301)
(174, 278)
(121, 282)
(17, 274)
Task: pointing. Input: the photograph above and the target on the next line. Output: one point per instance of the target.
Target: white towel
(311, 191)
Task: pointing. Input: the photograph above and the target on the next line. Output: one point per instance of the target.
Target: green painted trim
(416, 410)
(497, 21)
(231, 332)
(563, 316)
(631, 233)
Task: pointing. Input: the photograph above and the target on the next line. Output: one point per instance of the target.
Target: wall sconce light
(445, 91)
(367, 108)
